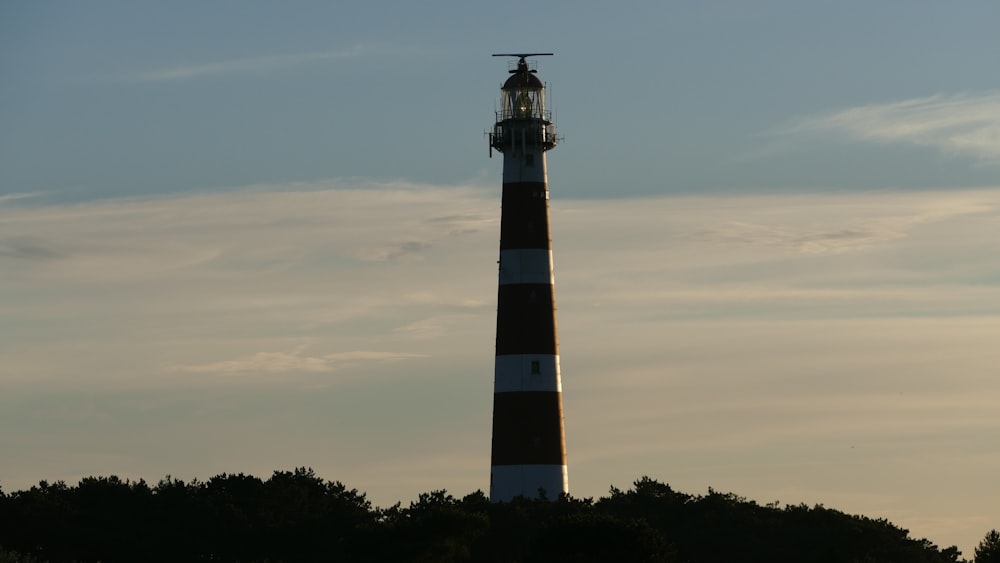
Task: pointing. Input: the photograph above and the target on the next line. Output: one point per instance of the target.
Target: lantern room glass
(523, 103)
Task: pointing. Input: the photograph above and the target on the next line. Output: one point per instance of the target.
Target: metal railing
(533, 132)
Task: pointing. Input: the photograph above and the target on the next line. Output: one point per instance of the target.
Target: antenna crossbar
(522, 56)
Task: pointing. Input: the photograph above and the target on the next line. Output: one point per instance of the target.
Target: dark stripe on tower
(526, 320)
(528, 429)
(524, 220)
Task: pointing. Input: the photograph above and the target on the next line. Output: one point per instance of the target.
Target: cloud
(14, 197)
(958, 124)
(842, 240)
(465, 223)
(30, 247)
(261, 229)
(291, 362)
(409, 250)
(831, 347)
(857, 231)
(243, 66)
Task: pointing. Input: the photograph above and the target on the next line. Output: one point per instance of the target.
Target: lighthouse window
(536, 367)
(529, 160)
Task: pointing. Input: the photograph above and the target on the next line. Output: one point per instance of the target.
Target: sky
(251, 236)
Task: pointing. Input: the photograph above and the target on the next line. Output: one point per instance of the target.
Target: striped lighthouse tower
(529, 442)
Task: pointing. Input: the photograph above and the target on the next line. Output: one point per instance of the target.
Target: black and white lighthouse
(529, 439)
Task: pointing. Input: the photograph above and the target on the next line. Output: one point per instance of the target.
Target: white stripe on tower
(529, 445)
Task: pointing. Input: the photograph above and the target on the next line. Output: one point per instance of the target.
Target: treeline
(297, 516)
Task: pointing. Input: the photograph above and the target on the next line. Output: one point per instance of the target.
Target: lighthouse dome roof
(522, 78)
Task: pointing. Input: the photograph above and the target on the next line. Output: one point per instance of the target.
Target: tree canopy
(988, 550)
(296, 516)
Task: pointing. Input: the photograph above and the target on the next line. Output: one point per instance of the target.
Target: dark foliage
(988, 550)
(296, 516)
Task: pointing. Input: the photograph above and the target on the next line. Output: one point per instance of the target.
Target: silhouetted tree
(15, 557)
(110, 519)
(988, 550)
(307, 519)
(590, 537)
(178, 520)
(436, 527)
(294, 516)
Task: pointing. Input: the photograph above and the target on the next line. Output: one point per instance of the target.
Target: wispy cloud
(409, 250)
(840, 240)
(29, 247)
(247, 65)
(14, 197)
(859, 231)
(291, 362)
(959, 124)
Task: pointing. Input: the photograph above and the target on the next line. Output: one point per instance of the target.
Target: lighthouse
(529, 439)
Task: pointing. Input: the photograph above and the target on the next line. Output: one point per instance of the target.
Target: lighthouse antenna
(522, 56)
(522, 65)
